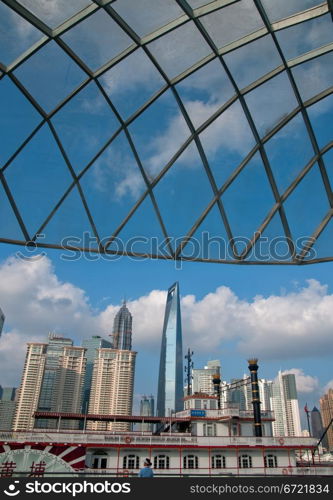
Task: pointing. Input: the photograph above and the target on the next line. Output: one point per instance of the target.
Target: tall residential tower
(170, 380)
(52, 380)
(91, 345)
(112, 382)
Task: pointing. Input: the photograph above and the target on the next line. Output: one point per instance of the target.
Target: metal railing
(150, 440)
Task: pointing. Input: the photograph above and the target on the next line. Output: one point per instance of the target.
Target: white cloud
(36, 301)
(328, 386)
(143, 76)
(117, 175)
(305, 384)
(291, 326)
(230, 132)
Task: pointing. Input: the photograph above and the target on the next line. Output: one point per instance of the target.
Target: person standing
(146, 471)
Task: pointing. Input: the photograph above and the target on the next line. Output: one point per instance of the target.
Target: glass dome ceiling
(170, 129)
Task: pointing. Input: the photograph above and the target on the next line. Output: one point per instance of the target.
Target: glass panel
(142, 232)
(18, 118)
(16, 35)
(149, 15)
(306, 36)
(271, 102)
(183, 193)
(289, 151)
(8, 222)
(84, 125)
(131, 82)
(306, 206)
(232, 23)
(321, 116)
(212, 237)
(328, 160)
(158, 133)
(49, 75)
(180, 49)
(247, 201)
(112, 186)
(285, 8)
(199, 3)
(314, 76)
(204, 91)
(69, 225)
(54, 12)
(40, 188)
(95, 50)
(323, 247)
(226, 142)
(272, 245)
(250, 62)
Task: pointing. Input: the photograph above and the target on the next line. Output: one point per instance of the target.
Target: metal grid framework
(194, 27)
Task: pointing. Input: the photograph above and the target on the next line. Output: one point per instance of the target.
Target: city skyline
(73, 308)
(279, 395)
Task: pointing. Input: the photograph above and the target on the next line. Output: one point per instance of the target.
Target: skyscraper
(2, 320)
(317, 426)
(47, 396)
(91, 345)
(326, 409)
(147, 410)
(69, 383)
(203, 378)
(52, 380)
(29, 390)
(112, 387)
(7, 407)
(284, 403)
(170, 380)
(122, 329)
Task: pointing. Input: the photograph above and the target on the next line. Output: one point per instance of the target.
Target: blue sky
(104, 284)
(230, 312)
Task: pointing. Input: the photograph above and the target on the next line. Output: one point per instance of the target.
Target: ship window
(161, 462)
(190, 462)
(218, 462)
(245, 461)
(99, 463)
(270, 461)
(209, 429)
(131, 462)
(234, 429)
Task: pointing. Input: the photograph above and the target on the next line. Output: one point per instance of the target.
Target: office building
(122, 329)
(112, 387)
(170, 380)
(284, 403)
(7, 407)
(317, 429)
(326, 410)
(91, 345)
(147, 409)
(202, 380)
